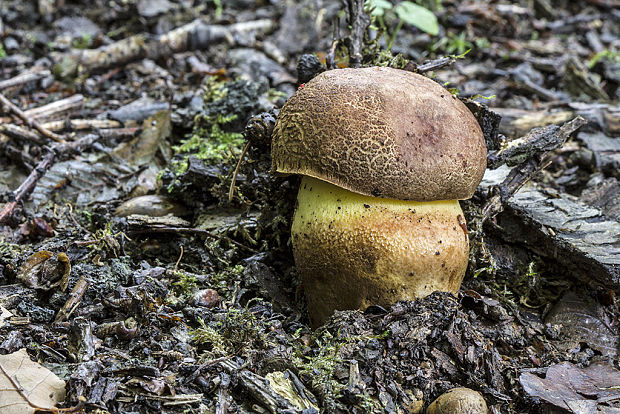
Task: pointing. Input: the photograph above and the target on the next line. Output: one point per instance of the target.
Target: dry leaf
(26, 386)
(579, 390)
(44, 270)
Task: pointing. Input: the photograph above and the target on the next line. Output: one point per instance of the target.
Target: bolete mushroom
(385, 155)
(459, 400)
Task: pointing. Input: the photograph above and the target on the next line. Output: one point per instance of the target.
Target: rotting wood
(192, 36)
(529, 154)
(358, 21)
(557, 226)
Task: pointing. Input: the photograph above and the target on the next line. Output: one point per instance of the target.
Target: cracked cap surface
(381, 132)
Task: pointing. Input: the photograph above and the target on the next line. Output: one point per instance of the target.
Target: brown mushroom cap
(381, 132)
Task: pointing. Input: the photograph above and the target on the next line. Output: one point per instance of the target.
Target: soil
(127, 271)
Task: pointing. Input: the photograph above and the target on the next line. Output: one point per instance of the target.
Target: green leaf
(418, 16)
(377, 7)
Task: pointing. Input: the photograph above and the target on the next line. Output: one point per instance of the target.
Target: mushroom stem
(353, 250)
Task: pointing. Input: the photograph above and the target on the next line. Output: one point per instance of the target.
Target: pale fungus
(459, 401)
(385, 155)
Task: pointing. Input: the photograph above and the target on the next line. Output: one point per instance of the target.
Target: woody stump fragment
(385, 156)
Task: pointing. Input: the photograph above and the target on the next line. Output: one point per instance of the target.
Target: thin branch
(30, 122)
(81, 124)
(358, 21)
(23, 78)
(57, 151)
(435, 64)
(56, 108)
(231, 191)
(21, 134)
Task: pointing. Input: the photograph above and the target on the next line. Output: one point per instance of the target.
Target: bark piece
(560, 227)
(606, 151)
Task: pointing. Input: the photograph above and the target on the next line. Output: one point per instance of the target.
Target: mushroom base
(353, 251)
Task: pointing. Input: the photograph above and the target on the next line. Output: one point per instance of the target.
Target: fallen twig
(192, 36)
(54, 109)
(23, 78)
(358, 21)
(81, 124)
(75, 297)
(21, 134)
(435, 64)
(29, 121)
(57, 151)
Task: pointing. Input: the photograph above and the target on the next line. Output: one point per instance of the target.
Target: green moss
(239, 332)
(216, 136)
(211, 144)
(320, 368)
(83, 42)
(210, 340)
(185, 285)
(225, 280)
(10, 251)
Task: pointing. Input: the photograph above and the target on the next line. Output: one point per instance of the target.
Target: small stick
(21, 134)
(231, 192)
(330, 59)
(24, 78)
(195, 35)
(30, 122)
(119, 133)
(434, 64)
(54, 109)
(81, 124)
(39, 171)
(75, 297)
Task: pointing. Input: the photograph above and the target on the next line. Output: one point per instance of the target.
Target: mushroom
(385, 155)
(459, 400)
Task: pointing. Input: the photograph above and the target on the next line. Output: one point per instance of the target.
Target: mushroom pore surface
(382, 132)
(353, 250)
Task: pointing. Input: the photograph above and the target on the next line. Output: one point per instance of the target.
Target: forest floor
(126, 271)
